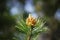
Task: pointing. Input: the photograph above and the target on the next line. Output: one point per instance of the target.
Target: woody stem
(30, 33)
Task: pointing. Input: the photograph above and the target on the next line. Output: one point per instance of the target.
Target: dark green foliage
(25, 15)
(7, 24)
(2, 6)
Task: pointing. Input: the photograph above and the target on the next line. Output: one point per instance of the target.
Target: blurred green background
(11, 10)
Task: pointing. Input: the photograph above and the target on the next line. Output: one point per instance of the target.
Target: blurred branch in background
(51, 7)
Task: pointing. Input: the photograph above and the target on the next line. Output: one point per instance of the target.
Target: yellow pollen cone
(30, 21)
